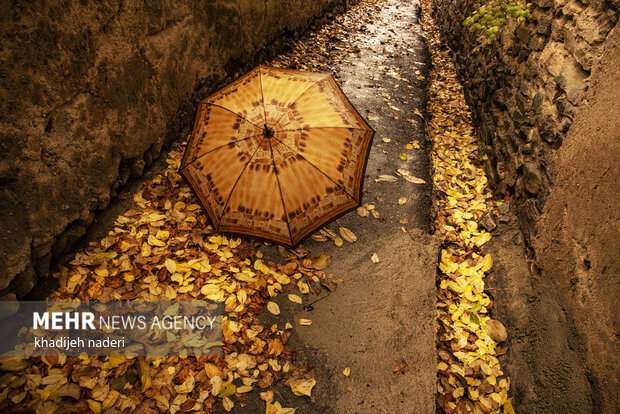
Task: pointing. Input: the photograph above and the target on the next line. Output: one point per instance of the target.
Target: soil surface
(545, 359)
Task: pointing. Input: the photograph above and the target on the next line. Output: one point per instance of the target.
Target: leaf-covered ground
(164, 249)
(470, 378)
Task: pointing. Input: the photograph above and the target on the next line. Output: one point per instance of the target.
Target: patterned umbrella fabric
(277, 154)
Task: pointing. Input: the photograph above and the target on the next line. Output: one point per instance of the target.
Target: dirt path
(382, 315)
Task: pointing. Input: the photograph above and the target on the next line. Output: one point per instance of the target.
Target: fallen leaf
(320, 262)
(304, 387)
(273, 308)
(348, 235)
(227, 403)
(295, 299)
(267, 396)
(409, 177)
(402, 200)
(496, 330)
(362, 211)
(319, 238)
(374, 258)
(95, 406)
(305, 322)
(338, 241)
(388, 178)
(401, 368)
(346, 372)
(226, 390)
(402, 156)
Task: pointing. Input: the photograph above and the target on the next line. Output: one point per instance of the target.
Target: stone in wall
(90, 92)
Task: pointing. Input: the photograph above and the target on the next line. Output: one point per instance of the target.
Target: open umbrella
(277, 154)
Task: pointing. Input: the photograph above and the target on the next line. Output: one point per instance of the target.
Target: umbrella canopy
(277, 154)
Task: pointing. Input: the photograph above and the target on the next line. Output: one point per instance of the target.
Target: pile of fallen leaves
(164, 250)
(470, 378)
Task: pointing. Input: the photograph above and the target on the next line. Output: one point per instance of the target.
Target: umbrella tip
(267, 132)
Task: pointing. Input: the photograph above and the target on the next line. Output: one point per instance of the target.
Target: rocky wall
(526, 91)
(90, 93)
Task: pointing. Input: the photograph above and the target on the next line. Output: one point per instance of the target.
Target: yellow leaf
(362, 211)
(402, 200)
(163, 234)
(409, 177)
(402, 156)
(95, 406)
(320, 262)
(374, 258)
(388, 178)
(338, 241)
(409, 146)
(267, 396)
(226, 390)
(386, 139)
(124, 220)
(508, 407)
(146, 250)
(303, 388)
(227, 403)
(347, 234)
(43, 393)
(295, 298)
(154, 241)
(305, 322)
(487, 262)
(273, 308)
(171, 266)
(187, 386)
(303, 287)
(346, 372)
(113, 362)
(212, 370)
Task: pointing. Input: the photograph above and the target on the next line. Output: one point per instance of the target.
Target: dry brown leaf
(348, 235)
(496, 330)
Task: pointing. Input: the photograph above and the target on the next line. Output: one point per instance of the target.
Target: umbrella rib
(232, 190)
(221, 146)
(233, 112)
(262, 95)
(288, 225)
(321, 127)
(319, 170)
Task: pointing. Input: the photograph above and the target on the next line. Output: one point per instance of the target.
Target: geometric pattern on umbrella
(277, 154)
